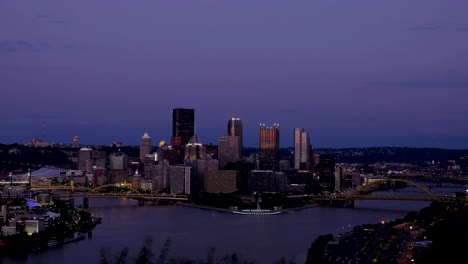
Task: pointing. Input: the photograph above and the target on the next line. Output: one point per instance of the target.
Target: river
(263, 239)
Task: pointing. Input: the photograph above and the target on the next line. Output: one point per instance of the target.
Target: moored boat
(53, 243)
(76, 237)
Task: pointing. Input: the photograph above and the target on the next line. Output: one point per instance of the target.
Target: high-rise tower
(75, 141)
(269, 147)
(301, 149)
(230, 145)
(183, 126)
(84, 159)
(326, 170)
(235, 130)
(228, 150)
(146, 146)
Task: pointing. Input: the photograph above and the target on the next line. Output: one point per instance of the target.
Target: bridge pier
(141, 202)
(85, 203)
(349, 204)
(152, 202)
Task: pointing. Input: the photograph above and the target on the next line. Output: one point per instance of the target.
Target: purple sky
(352, 73)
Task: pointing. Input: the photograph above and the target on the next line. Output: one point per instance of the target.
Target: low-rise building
(220, 181)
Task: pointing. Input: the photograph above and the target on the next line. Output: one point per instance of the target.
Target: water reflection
(264, 239)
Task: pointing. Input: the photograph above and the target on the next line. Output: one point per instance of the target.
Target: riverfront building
(200, 169)
(220, 181)
(261, 181)
(179, 179)
(158, 175)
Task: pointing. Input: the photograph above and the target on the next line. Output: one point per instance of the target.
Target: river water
(263, 239)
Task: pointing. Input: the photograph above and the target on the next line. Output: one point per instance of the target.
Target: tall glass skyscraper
(183, 125)
(235, 130)
(269, 147)
(301, 149)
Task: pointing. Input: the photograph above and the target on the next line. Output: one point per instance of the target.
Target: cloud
(9, 46)
(434, 27)
(46, 18)
(56, 21)
(463, 29)
(429, 27)
(423, 84)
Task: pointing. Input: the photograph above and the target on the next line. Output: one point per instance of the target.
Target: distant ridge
(36, 157)
(383, 154)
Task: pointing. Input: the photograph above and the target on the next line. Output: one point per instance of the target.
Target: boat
(53, 243)
(257, 212)
(76, 237)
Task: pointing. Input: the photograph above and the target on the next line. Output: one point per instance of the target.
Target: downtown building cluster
(187, 166)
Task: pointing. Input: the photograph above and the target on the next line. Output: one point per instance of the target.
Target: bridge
(384, 197)
(145, 196)
(363, 191)
(429, 178)
(107, 191)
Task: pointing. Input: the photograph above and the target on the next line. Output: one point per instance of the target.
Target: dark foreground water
(264, 239)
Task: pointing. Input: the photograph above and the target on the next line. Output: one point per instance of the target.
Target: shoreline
(230, 211)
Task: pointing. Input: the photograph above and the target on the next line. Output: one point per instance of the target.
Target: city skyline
(352, 74)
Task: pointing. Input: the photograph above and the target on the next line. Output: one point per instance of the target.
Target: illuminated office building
(301, 149)
(235, 130)
(269, 147)
(183, 126)
(146, 146)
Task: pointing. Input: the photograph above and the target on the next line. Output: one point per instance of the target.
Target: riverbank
(432, 233)
(62, 224)
(300, 208)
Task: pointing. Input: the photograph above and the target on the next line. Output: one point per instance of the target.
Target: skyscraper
(230, 145)
(269, 147)
(228, 150)
(75, 142)
(146, 146)
(183, 126)
(235, 129)
(327, 173)
(118, 161)
(301, 149)
(194, 149)
(84, 159)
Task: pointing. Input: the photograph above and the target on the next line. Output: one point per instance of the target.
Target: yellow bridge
(103, 191)
(359, 193)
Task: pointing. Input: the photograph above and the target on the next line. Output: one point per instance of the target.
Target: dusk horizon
(352, 74)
